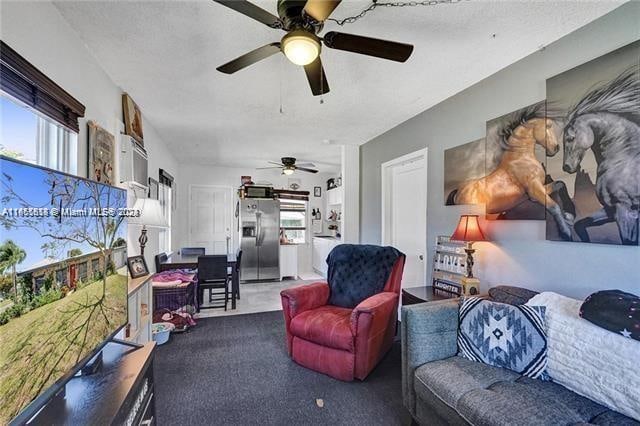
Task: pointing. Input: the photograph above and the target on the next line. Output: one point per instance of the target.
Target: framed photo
(317, 191)
(132, 118)
(137, 266)
(153, 189)
(101, 154)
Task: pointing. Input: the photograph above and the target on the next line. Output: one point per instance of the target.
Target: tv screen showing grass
(63, 277)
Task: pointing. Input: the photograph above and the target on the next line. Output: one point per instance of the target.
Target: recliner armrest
(305, 297)
(381, 304)
(296, 300)
(429, 333)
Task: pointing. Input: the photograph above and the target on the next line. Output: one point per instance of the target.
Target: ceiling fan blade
(305, 165)
(277, 164)
(265, 168)
(384, 49)
(304, 169)
(317, 78)
(250, 58)
(320, 9)
(252, 11)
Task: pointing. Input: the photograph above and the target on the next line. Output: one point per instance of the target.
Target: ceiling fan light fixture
(301, 47)
(288, 171)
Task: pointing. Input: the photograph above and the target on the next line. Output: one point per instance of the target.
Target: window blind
(23, 81)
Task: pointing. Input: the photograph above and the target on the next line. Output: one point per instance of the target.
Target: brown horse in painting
(520, 175)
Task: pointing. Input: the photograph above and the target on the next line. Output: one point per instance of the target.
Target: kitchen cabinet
(288, 261)
(334, 197)
(321, 249)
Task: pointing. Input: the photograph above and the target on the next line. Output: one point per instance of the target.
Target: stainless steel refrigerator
(260, 239)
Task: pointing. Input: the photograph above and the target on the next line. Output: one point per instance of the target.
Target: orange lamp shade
(468, 229)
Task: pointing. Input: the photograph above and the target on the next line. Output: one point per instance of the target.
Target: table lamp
(468, 230)
(150, 216)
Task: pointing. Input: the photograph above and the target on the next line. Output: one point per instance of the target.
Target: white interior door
(210, 218)
(405, 213)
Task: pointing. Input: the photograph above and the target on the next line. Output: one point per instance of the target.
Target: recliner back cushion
(358, 271)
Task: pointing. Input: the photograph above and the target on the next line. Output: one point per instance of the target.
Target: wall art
(132, 118)
(597, 177)
(101, 154)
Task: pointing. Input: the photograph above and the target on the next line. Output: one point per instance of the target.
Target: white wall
(38, 32)
(519, 253)
(228, 176)
(351, 194)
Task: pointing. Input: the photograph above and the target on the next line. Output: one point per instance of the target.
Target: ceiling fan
(288, 166)
(303, 20)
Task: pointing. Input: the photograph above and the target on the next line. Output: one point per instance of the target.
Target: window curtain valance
(21, 80)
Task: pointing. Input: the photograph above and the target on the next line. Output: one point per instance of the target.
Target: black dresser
(121, 393)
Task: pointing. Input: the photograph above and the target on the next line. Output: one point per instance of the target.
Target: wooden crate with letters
(449, 268)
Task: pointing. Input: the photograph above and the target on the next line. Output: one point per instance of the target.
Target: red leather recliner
(341, 342)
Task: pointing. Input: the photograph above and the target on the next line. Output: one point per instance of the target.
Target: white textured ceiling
(164, 53)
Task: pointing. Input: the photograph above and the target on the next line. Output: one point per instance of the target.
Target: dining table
(179, 261)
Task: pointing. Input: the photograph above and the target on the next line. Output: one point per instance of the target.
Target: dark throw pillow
(614, 310)
(511, 294)
(358, 271)
(507, 336)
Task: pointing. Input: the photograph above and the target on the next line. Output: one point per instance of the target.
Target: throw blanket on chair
(357, 272)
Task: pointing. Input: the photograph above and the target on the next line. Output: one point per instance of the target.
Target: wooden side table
(413, 295)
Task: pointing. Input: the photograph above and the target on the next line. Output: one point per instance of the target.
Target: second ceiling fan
(289, 166)
(303, 20)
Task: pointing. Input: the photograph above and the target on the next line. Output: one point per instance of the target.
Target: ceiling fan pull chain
(376, 3)
(280, 80)
(321, 85)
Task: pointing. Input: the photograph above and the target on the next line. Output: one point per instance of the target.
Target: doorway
(210, 218)
(404, 213)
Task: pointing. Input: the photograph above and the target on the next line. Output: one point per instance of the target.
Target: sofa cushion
(326, 325)
(527, 401)
(504, 336)
(451, 378)
(358, 271)
(486, 395)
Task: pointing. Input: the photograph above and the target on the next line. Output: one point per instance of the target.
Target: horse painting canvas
(463, 163)
(600, 136)
(515, 184)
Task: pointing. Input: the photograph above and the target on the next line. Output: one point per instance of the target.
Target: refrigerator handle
(258, 228)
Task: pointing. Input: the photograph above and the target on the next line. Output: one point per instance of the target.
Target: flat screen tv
(63, 290)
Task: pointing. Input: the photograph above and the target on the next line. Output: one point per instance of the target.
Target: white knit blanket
(589, 360)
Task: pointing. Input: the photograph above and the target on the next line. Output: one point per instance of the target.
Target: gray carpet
(235, 370)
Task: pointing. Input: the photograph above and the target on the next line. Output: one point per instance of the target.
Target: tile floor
(255, 297)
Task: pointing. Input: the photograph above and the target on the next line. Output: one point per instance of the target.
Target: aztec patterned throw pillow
(502, 335)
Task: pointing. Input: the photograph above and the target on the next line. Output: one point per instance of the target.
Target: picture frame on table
(317, 191)
(137, 266)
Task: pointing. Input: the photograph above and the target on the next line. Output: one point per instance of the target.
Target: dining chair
(212, 275)
(235, 285)
(192, 251)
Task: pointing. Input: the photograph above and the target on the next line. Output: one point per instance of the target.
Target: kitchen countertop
(327, 237)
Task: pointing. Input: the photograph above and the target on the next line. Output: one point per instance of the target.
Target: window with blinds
(293, 220)
(39, 119)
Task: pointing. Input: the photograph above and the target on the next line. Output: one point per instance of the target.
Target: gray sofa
(440, 388)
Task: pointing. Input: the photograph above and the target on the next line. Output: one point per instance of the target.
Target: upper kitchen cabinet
(334, 197)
